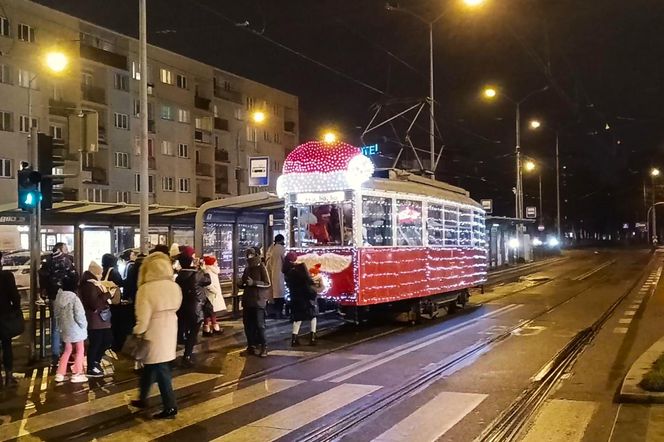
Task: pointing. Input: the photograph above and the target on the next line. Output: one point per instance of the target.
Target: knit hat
(174, 250)
(209, 260)
(95, 269)
(187, 251)
(291, 257)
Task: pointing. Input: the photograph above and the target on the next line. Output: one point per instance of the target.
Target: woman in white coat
(157, 301)
(215, 298)
(275, 265)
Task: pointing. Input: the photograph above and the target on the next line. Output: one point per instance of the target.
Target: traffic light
(51, 154)
(28, 188)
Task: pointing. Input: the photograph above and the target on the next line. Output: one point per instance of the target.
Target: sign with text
(259, 171)
(487, 205)
(371, 150)
(531, 212)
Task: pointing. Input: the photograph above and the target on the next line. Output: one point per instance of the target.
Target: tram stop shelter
(499, 231)
(225, 228)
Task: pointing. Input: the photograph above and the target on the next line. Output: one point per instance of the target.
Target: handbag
(113, 289)
(12, 324)
(105, 314)
(139, 347)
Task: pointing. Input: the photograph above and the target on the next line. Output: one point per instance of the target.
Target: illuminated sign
(370, 150)
(314, 198)
(259, 171)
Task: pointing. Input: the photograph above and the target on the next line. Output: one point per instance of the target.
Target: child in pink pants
(70, 320)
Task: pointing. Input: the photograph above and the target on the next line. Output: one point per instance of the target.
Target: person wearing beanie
(215, 300)
(255, 283)
(192, 282)
(162, 248)
(96, 302)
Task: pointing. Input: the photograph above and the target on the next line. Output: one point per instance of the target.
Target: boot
(295, 342)
(187, 362)
(312, 338)
(206, 330)
(249, 351)
(263, 351)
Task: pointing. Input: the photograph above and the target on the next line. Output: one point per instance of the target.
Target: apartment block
(200, 131)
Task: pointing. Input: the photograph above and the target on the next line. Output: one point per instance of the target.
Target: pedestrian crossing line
(620, 330)
(625, 320)
(284, 422)
(40, 422)
(292, 353)
(433, 419)
(361, 366)
(629, 313)
(562, 421)
(151, 429)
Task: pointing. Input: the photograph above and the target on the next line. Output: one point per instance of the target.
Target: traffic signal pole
(35, 251)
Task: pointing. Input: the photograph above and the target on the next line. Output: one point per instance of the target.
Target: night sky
(602, 61)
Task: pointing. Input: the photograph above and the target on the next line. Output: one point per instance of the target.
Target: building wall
(100, 78)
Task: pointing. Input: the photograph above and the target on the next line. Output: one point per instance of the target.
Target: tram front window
(322, 225)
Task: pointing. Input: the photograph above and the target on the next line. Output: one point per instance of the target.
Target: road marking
(396, 352)
(152, 429)
(593, 271)
(433, 419)
(629, 313)
(281, 423)
(34, 424)
(562, 421)
(620, 330)
(625, 320)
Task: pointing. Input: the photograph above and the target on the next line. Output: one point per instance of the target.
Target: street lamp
(430, 23)
(535, 124)
(654, 173)
(258, 116)
(530, 166)
(329, 137)
(56, 61)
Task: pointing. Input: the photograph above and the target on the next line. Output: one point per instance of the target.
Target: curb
(630, 391)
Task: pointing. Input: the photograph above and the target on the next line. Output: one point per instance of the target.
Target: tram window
(478, 230)
(322, 225)
(409, 223)
(436, 225)
(465, 227)
(451, 226)
(377, 221)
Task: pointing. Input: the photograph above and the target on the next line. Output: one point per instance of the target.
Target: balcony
(203, 169)
(93, 93)
(202, 136)
(61, 107)
(101, 134)
(221, 187)
(289, 126)
(221, 156)
(234, 96)
(104, 57)
(221, 124)
(94, 175)
(202, 103)
(152, 163)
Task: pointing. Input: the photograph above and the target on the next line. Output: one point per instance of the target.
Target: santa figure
(319, 231)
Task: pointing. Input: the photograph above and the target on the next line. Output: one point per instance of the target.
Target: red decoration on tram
(317, 156)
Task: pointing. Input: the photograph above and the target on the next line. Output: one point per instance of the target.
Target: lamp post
(144, 214)
(429, 24)
(531, 166)
(258, 117)
(654, 173)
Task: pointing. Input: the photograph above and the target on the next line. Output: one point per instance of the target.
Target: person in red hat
(215, 299)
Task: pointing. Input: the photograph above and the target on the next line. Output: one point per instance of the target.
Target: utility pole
(558, 188)
(432, 120)
(144, 179)
(34, 233)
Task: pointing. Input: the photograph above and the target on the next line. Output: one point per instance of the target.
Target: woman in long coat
(275, 263)
(157, 301)
(303, 298)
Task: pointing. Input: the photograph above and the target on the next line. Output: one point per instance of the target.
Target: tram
(400, 241)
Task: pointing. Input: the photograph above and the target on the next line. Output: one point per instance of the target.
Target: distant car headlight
(553, 242)
(537, 242)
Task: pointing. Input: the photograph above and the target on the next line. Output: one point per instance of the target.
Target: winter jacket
(95, 299)
(9, 296)
(70, 317)
(55, 268)
(213, 291)
(255, 295)
(157, 301)
(131, 280)
(109, 265)
(303, 297)
(275, 264)
(193, 283)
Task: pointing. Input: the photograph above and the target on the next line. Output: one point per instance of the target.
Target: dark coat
(94, 301)
(256, 294)
(55, 268)
(131, 280)
(303, 297)
(109, 263)
(192, 282)
(9, 296)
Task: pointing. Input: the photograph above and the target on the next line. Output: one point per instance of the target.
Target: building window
(276, 137)
(183, 185)
(137, 147)
(166, 112)
(168, 184)
(238, 113)
(27, 79)
(56, 92)
(184, 116)
(121, 159)
(181, 81)
(227, 86)
(55, 131)
(121, 81)
(4, 27)
(135, 70)
(23, 125)
(167, 148)
(121, 121)
(26, 33)
(122, 197)
(137, 183)
(166, 76)
(6, 121)
(5, 74)
(137, 108)
(251, 102)
(94, 195)
(183, 150)
(251, 134)
(5, 168)
(267, 136)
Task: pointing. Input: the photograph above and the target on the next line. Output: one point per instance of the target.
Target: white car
(18, 262)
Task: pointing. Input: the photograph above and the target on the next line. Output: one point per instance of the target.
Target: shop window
(377, 221)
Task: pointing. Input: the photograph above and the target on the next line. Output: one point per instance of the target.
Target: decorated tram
(398, 240)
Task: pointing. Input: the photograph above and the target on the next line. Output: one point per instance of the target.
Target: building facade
(200, 131)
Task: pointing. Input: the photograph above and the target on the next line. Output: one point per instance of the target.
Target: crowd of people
(160, 300)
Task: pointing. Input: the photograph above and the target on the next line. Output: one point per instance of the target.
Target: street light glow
(654, 172)
(490, 92)
(56, 61)
(258, 117)
(473, 3)
(329, 137)
(530, 166)
(535, 124)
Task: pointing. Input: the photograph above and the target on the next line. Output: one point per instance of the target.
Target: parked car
(18, 262)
